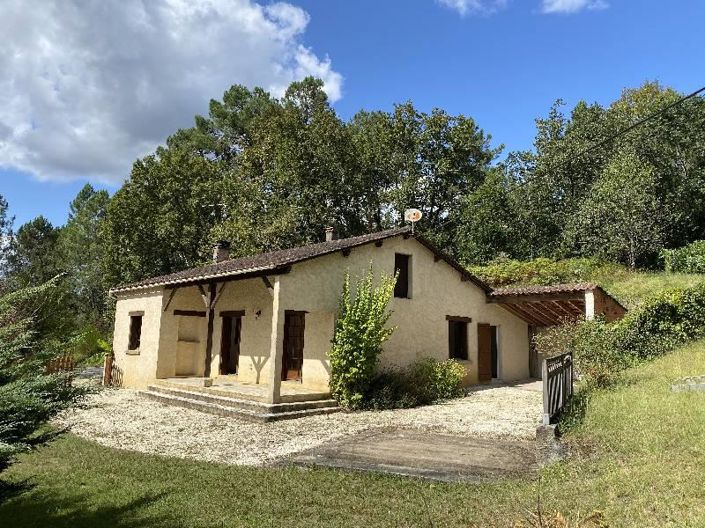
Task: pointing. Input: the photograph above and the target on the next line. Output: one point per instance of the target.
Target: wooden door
(293, 357)
(484, 352)
(230, 344)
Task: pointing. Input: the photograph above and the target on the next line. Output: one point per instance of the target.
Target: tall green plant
(360, 330)
(29, 395)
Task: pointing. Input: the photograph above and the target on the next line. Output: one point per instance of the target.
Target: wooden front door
(484, 352)
(230, 344)
(293, 358)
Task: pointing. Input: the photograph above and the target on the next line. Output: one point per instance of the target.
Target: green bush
(424, 382)
(544, 271)
(360, 330)
(688, 259)
(602, 350)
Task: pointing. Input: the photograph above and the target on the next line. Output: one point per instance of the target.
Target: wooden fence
(60, 364)
(557, 385)
(112, 375)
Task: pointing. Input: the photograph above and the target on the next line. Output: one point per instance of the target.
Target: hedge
(688, 259)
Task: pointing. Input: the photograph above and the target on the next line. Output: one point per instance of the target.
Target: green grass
(642, 457)
(633, 287)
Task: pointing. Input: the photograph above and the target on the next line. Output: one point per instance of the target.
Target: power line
(635, 125)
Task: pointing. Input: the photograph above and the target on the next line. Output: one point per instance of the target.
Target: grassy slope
(632, 288)
(645, 467)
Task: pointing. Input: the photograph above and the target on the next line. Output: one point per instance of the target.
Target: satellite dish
(413, 216)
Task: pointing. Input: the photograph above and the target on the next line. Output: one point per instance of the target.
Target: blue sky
(501, 62)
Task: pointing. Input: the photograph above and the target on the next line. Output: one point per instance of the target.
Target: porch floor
(229, 386)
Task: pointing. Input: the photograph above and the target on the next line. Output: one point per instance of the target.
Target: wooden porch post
(209, 336)
(276, 347)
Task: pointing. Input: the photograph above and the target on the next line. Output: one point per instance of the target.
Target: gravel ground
(122, 419)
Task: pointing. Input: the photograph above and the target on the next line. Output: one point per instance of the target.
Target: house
(264, 323)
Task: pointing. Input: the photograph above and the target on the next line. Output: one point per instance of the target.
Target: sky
(88, 87)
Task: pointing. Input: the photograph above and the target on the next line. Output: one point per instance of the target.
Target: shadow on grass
(23, 508)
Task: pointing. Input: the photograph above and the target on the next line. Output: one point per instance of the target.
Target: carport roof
(547, 305)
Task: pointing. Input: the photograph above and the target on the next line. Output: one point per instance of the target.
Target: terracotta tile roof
(577, 287)
(279, 260)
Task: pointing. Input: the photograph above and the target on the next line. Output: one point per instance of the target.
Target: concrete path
(426, 454)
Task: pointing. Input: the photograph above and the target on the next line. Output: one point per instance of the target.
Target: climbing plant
(360, 330)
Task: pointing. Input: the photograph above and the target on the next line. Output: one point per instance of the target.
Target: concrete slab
(426, 454)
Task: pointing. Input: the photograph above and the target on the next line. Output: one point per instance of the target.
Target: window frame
(134, 334)
(406, 275)
(453, 323)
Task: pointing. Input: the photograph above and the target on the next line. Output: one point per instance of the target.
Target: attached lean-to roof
(279, 262)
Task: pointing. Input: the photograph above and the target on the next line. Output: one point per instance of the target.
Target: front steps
(235, 407)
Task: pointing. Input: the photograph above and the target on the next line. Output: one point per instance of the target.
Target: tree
(621, 219)
(486, 225)
(80, 247)
(29, 397)
(5, 237)
(32, 259)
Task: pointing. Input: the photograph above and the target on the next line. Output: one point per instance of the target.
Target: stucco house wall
(436, 291)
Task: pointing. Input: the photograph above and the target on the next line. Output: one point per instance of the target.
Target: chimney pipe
(221, 251)
(330, 234)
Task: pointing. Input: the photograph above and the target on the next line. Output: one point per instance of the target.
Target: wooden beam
(189, 313)
(546, 313)
(232, 313)
(268, 284)
(171, 296)
(536, 297)
(459, 318)
(539, 316)
(379, 243)
(563, 309)
(217, 297)
(346, 252)
(209, 336)
(204, 297)
(514, 308)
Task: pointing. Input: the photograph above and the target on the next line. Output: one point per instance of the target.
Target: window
(401, 266)
(135, 330)
(458, 339)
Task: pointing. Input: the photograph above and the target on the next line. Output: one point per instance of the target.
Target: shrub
(603, 350)
(544, 271)
(424, 382)
(360, 330)
(688, 259)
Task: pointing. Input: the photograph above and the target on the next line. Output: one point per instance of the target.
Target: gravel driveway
(122, 419)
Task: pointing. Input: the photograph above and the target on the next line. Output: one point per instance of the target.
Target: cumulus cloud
(469, 7)
(572, 6)
(87, 87)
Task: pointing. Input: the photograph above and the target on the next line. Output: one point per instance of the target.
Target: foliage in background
(360, 330)
(688, 259)
(602, 351)
(545, 271)
(424, 382)
(29, 397)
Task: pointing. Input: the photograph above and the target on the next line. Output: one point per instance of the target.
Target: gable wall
(421, 327)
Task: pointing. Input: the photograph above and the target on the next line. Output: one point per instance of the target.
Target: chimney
(330, 234)
(221, 251)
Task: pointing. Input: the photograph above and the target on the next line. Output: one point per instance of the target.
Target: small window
(457, 339)
(401, 267)
(135, 331)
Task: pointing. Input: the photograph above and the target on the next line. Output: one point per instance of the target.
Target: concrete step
(239, 403)
(243, 409)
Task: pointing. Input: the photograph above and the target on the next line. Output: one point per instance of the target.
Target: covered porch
(234, 338)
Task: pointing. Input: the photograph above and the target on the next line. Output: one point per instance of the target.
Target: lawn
(642, 457)
(633, 287)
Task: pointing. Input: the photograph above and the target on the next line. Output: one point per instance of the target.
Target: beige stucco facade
(175, 345)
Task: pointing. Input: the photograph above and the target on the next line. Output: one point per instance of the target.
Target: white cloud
(87, 87)
(572, 6)
(469, 7)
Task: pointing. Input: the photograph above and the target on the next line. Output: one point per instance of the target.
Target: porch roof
(279, 262)
(547, 305)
